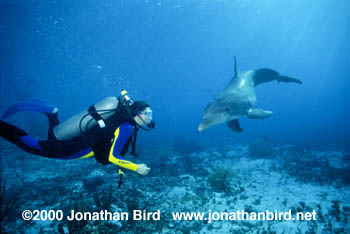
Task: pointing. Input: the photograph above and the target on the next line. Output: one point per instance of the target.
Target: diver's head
(142, 114)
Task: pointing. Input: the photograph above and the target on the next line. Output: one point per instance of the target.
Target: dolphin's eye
(227, 110)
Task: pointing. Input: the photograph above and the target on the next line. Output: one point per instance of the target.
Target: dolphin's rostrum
(238, 99)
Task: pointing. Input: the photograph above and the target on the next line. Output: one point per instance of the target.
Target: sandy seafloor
(290, 179)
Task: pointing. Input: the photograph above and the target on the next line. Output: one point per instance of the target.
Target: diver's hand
(142, 169)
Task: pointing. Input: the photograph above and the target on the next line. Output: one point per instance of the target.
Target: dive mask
(148, 116)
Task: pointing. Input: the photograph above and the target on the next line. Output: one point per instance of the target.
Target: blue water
(177, 55)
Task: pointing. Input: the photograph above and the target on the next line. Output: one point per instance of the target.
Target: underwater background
(178, 55)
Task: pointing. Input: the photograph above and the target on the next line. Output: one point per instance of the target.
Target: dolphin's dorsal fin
(235, 67)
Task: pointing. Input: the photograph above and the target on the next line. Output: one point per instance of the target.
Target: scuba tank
(87, 119)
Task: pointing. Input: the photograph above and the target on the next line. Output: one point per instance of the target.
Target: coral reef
(103, 200)
(76, 226)
(220, 180)
(223, 180)
(94, 180)
(261, 148)
(8, 200)
(310, 168)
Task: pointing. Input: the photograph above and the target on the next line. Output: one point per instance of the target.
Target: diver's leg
(50, 149)
(20, 138)
(65, 150)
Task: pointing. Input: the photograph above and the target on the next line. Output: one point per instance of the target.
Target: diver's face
(146, 116)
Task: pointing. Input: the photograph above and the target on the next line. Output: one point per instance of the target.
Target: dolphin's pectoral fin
(265, 75)
(257, 113)
(234, 125)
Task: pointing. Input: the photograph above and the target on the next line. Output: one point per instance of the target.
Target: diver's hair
(138, 106)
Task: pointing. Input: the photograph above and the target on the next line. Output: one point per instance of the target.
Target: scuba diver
(104, 131)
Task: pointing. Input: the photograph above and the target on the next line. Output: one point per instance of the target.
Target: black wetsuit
(108, 144)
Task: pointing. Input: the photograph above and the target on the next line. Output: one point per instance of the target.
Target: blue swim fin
(35, 105)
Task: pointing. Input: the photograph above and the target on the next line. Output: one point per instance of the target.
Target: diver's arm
(122, 134)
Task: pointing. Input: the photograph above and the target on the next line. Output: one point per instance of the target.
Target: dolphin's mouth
(204, 125)
(207, 123)
(200, 128)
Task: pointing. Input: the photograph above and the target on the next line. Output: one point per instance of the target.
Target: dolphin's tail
(265, 75)
(35, 105)
(288, 79)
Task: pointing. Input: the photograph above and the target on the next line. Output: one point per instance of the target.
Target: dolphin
(238, 99)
